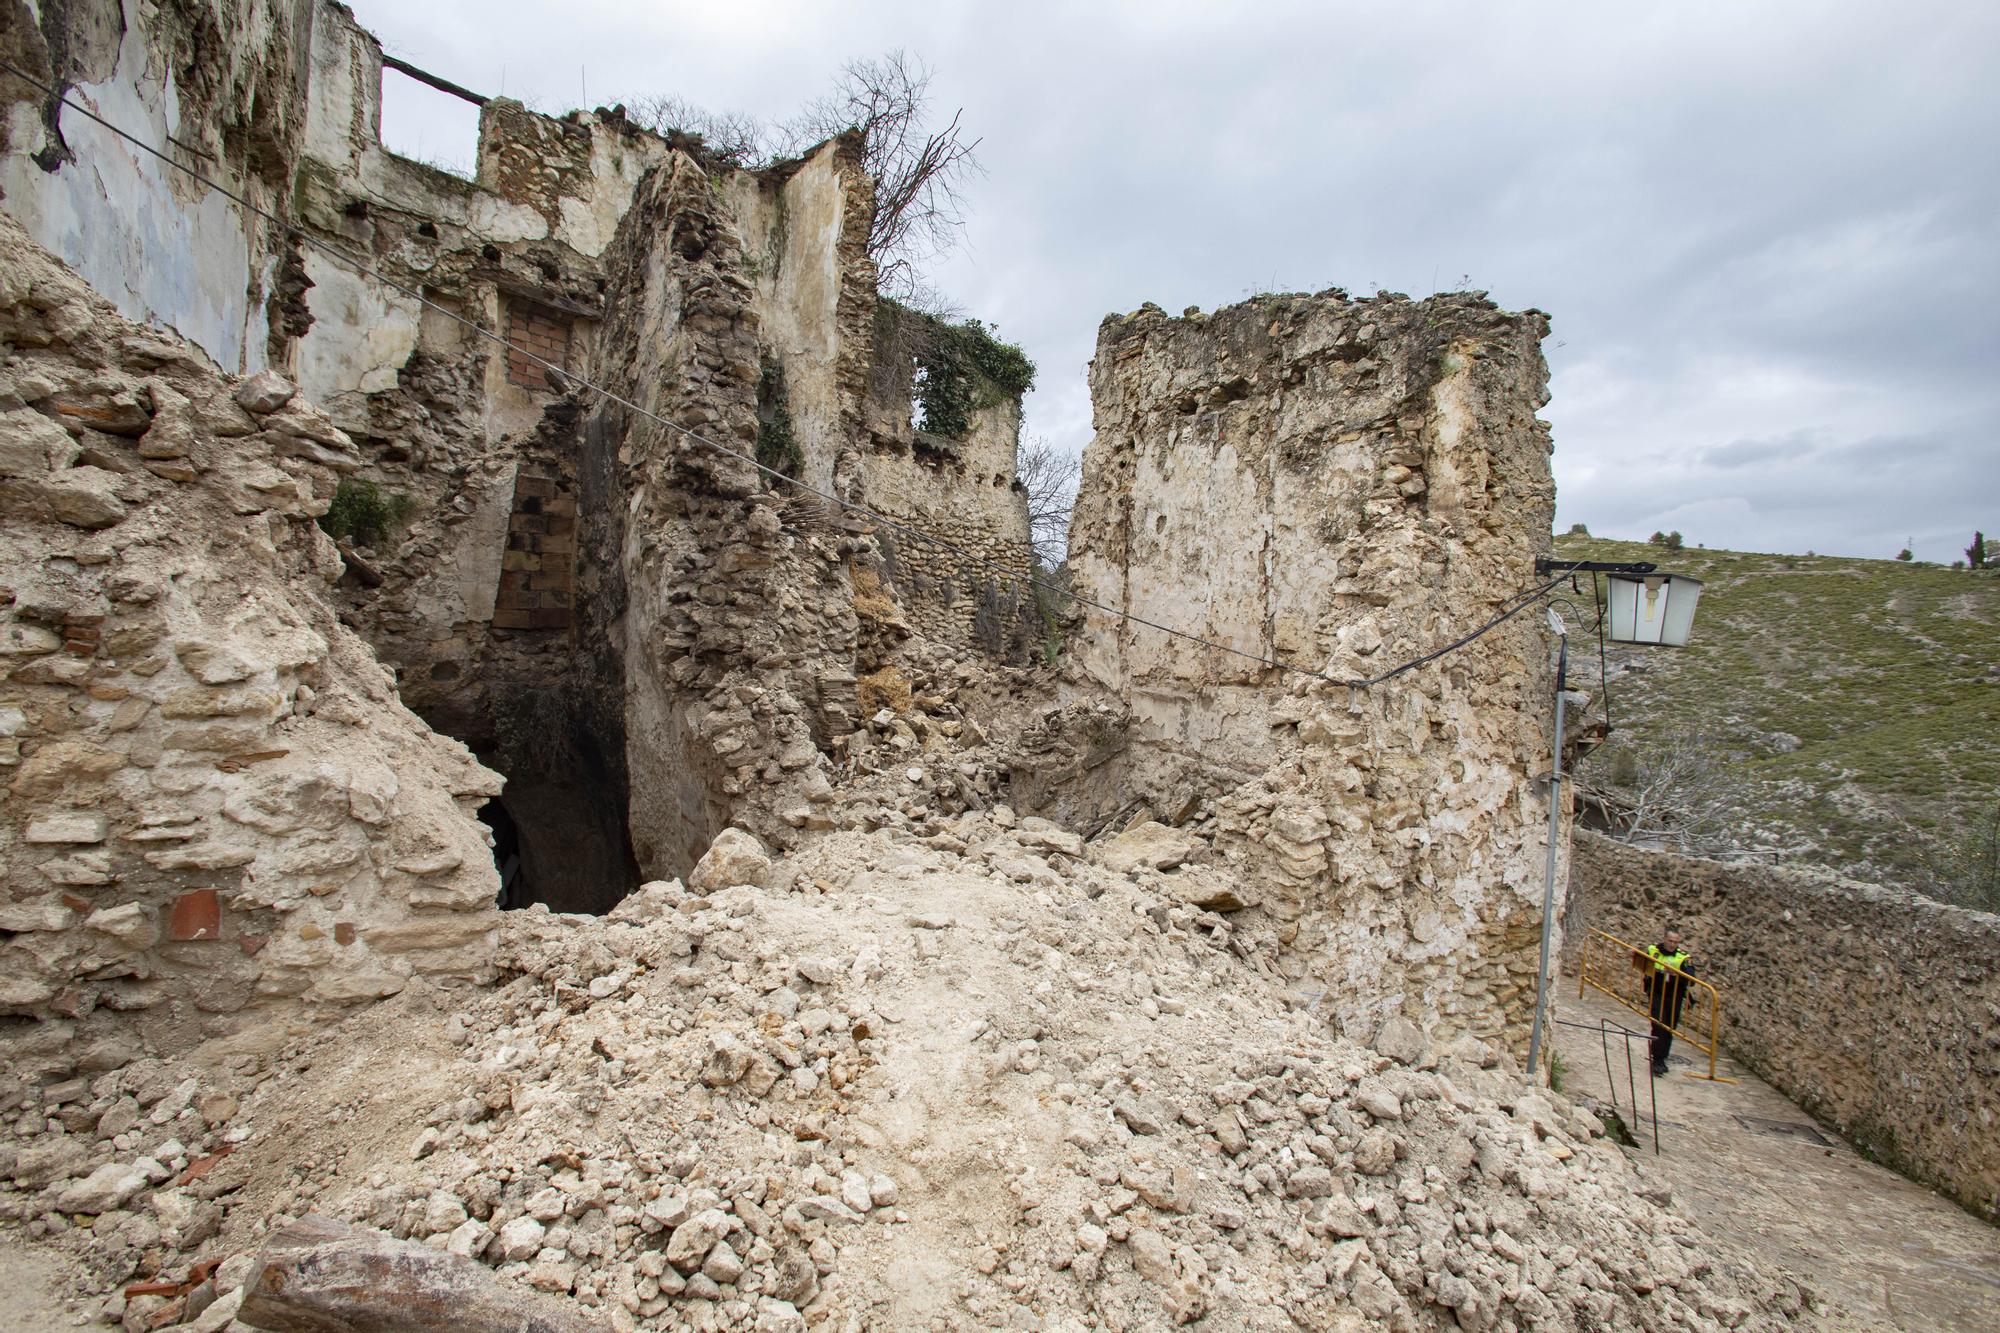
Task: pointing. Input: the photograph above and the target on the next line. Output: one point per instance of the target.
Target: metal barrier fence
(1604, 1027)
(1604, 950)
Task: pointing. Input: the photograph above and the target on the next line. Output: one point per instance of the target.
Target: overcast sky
(1767, 233)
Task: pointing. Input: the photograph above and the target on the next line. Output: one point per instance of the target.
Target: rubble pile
(968, 1071)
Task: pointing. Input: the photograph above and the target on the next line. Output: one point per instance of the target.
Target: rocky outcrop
(215, 799)
(1875, 1009)
(1341, 485)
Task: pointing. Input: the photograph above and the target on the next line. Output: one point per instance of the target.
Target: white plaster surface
(162, 250)
(362, 333)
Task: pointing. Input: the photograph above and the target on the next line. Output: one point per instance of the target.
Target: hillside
(1850, 708)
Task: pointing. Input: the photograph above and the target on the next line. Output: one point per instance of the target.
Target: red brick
(196, 915)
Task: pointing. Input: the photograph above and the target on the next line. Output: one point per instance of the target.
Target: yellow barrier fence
(1607, 964)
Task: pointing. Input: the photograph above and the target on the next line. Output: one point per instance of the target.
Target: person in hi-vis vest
(1666, 991)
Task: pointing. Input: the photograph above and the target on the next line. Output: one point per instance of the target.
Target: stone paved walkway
(1882, 1252)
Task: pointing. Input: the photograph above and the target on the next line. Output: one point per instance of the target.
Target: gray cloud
(1765, 232)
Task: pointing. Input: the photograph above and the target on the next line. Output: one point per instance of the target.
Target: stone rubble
(950, 1074)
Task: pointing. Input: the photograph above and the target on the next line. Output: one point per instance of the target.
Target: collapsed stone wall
(654, 646)
(1875, 1009)
(215, 800)
(495, 588)
(739, 628)
(1343, 485)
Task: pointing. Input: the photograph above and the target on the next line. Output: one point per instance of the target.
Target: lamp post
(1642, 606)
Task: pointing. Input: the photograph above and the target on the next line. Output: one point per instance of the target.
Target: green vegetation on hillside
(1851, 707)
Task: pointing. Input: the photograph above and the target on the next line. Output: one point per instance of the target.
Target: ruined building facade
(1341, 486)
(608, 633)
(502, 619)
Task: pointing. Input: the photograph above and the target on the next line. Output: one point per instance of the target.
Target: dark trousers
(1665, 996)
(1663, 1042)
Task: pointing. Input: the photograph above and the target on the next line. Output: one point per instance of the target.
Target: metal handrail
(1653, 967)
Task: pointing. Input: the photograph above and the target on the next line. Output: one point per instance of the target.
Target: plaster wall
(1341, 485)
(793, 235)
(163, 249)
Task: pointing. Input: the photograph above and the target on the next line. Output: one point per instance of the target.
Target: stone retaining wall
(1875, 1009)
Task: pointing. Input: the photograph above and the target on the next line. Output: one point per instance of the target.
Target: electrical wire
(1512, 607)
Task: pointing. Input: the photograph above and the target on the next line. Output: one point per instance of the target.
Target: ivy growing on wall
(777, 444)
(961, 368)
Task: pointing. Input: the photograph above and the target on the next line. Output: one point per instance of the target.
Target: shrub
(1670, 541)
(777, 443)
(1963, 861)
(363, 514)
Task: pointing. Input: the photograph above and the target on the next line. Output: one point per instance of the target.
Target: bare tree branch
(1676, 791)
(1050, 478)
(919, 173)
(729, 137)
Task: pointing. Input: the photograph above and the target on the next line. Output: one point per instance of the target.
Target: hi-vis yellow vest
(1663, 960)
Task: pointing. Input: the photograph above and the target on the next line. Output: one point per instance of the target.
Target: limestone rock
(110, 1186)
(84, 497)
(1400, 1040)
(735, 857)
(30, 444)
(264, 392)
(68, 826)
(1151, 845)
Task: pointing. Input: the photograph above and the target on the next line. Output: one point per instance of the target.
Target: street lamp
(1644, 606)
(1651, 608)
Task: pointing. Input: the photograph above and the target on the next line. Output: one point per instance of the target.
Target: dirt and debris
(948, 1073)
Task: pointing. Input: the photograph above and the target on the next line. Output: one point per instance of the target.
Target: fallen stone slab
(322, 1276)
(1151, 846)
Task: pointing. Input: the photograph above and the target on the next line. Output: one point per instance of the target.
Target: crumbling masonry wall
(960, 489)
(740, 627)
(214, 799)
(1876, 1009)
(1344, 485)
(223, 84)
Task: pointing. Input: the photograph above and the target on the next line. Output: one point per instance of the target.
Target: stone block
(68, 826)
